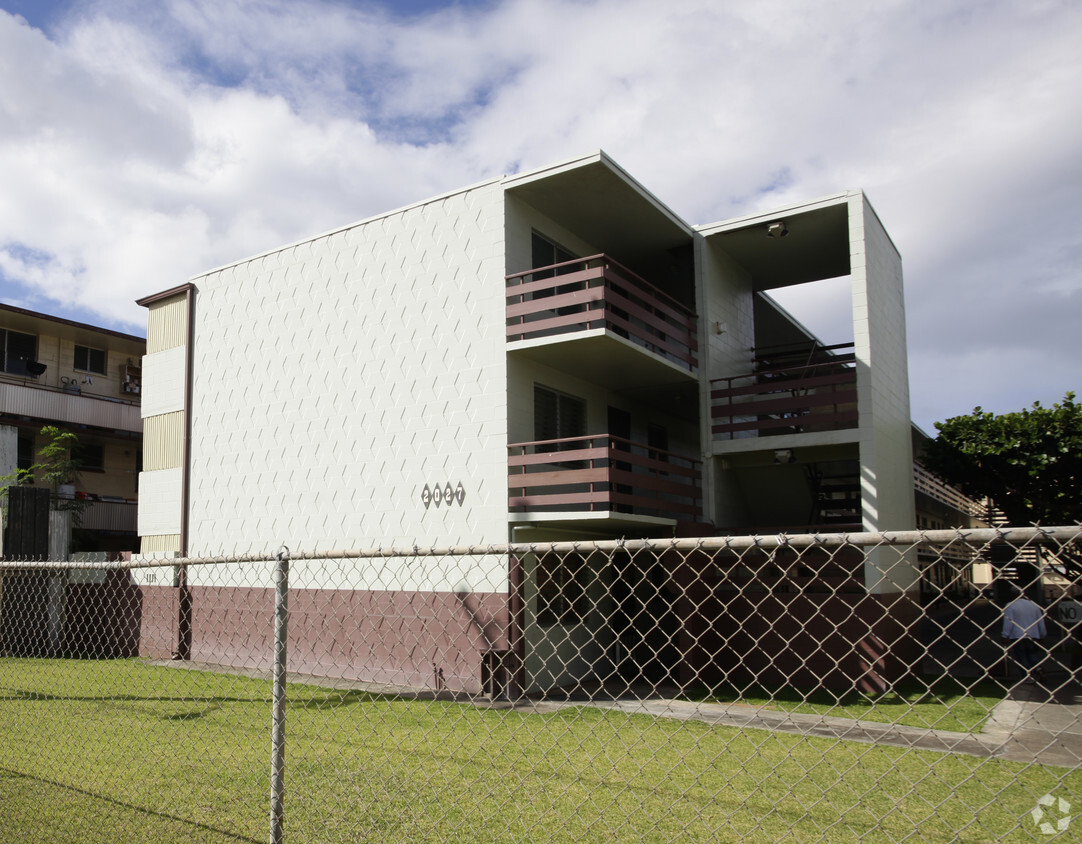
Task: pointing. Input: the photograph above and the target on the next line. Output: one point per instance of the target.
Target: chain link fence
(812, 688)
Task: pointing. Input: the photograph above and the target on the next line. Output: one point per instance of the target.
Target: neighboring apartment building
(86, 380)
(547, 356)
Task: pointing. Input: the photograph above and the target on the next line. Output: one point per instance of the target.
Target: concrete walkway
(1035, 724)
(1030, 725)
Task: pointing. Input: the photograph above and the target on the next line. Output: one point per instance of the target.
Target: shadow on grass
(194, 830)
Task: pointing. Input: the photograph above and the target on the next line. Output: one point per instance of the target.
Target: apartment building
(86, 380)
(546, 356)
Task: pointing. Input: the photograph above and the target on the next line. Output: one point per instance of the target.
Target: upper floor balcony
(597, 299)
(789, 391)
(604, 474)
(67, 404)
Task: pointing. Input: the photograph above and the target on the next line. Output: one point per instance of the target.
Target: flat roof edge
(708, 229)
(147, 301)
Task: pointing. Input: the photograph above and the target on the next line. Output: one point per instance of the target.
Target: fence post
(278, 719)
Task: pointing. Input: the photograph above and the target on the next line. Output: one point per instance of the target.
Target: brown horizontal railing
(819, 396)
(603, 473)
(597, 292)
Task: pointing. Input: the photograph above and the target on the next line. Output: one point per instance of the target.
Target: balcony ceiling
(816, 248)
(605, 206)
(603, 358)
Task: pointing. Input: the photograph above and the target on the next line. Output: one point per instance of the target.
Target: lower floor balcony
(603, 474)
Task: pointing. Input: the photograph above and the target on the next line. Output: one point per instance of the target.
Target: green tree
(1029, 463)
(56, 465)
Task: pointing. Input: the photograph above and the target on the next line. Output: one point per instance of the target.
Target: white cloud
(140, 143)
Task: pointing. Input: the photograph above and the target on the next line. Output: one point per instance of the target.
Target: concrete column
(886, 455)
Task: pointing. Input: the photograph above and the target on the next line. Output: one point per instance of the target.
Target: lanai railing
(603, 473)
(809, 389)
(597, 292)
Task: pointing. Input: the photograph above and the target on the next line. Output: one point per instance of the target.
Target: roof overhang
(816, 246)
(594, 197)
(32, 322)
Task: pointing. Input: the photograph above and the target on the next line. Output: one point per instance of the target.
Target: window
(545, 253)
(16, 350)
(562, 589)
(90, 360)
(557, 416)
(89, 457)
(25, 458)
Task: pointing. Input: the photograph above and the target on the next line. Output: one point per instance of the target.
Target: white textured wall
(163, 382)
(159, 502)
(886, 454)
(335, 378)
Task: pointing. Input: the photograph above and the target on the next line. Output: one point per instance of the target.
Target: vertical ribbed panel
(163, 441)
(167, 324)
(160, 544)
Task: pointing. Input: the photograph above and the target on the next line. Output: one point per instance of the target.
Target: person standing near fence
(1023, 629)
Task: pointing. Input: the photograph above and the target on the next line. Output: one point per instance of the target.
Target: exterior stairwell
(836, 501)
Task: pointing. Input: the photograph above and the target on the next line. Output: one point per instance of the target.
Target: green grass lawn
(131, 752)
(940, 703)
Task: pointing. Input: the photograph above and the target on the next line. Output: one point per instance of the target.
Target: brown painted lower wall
(806, 640)
(826, 631)
(418, 639)
(158, 621)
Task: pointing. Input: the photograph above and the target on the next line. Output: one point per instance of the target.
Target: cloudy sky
(142, 141)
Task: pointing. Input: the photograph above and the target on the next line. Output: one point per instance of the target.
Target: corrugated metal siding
(163, 441)
(167, 324)
(159, 544)
(56, 406)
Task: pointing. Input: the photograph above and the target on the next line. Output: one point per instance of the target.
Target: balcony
(112, 516)
(50, 404)
(603, 474)
(595, 297)
(791, 391)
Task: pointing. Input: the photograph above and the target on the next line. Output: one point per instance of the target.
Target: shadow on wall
(42, 615)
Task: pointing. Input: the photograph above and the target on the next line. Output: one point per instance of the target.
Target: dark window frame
(87, 364)
(89, 457)
(15, 363)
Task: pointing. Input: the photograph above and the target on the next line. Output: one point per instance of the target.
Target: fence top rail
(975, 536)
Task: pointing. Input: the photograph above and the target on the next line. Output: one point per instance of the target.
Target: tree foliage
(56, 465)
(1029, 463)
